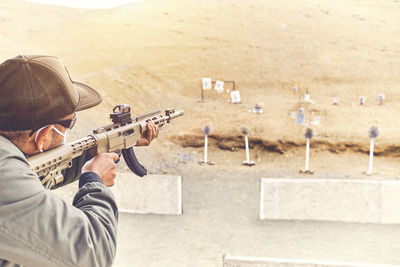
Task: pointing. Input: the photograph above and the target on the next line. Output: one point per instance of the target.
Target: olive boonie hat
(37, 90)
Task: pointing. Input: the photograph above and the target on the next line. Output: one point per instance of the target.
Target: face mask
(55, 129)
(62, 134)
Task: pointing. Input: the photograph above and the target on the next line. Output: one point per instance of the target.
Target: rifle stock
(118, 137)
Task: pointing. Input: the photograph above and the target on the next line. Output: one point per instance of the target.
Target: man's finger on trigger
(114, 156)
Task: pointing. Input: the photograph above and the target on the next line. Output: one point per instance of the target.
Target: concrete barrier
(361, 201)
(156, 194)
(390, 202)
(234, 261)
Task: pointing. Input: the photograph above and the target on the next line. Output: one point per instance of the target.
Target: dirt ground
(153, 54)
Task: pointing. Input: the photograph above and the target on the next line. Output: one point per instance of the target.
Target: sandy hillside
(153, 54)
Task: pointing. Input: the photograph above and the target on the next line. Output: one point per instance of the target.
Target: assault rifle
(119, 137)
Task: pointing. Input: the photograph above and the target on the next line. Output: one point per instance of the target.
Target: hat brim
(88, 97)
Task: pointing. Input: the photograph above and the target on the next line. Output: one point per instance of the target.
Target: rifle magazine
(133, 163)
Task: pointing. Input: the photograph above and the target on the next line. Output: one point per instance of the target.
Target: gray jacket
(37, 228)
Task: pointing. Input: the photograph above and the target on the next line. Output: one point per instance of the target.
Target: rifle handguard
(121, 135)
(133, 163)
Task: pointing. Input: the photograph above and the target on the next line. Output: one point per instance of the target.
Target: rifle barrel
(138, 118)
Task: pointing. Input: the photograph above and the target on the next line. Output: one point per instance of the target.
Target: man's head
(36, 93)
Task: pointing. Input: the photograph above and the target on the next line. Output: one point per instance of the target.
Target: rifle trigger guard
(119, 156)
(133, 163)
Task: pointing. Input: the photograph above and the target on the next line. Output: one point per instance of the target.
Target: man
(38, 105)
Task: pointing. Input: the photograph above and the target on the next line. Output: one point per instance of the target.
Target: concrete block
(157, 194)
(390, 192)
(234, 261)
(321, 199)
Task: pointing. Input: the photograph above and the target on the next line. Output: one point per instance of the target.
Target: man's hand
(150, 133)
(104, 166)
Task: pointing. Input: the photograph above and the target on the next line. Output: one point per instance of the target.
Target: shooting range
(276, 68)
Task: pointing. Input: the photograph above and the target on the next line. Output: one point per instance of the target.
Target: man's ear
(42, 136)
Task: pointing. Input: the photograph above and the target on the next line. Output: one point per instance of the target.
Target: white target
(235, 97)
(219, 86)
(206, 83)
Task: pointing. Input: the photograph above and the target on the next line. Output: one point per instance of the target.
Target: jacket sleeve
(37, 228)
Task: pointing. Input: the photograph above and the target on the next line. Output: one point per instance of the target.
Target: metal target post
(373, 132)
(308, 155)
(206, 131)
(247, 148)
(309, 133)
(205, 148)
(245, 131)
